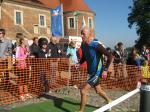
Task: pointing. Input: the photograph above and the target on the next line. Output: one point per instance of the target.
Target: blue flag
(57, 28)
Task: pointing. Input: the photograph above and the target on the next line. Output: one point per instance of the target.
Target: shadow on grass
(3, 110)
(58, 102)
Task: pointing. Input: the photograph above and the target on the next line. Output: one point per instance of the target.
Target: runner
(92, 53)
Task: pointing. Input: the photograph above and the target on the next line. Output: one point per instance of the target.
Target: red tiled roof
(32, 2)
(50, 3)
(68, 5)
(74, 5)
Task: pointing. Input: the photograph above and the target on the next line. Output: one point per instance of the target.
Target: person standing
(79, 54)
(120, 54)
(54, 51)
(144, 53)
(72, 53)
(134, 58)
(120, 58)
(5, 45)
(5, 50)
(34, 48)
(14, 46)
(92, 53)
(21, 54)
(42, 54)
(145, 70)
(42, 49)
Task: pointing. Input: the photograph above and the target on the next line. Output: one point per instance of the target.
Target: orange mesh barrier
(36, 76)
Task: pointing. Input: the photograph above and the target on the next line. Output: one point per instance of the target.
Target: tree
(140, 17)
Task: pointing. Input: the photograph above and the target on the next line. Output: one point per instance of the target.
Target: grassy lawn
(53, 105)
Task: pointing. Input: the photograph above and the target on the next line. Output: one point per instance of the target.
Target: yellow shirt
(145, 72)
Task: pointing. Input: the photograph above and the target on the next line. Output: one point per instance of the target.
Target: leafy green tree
(140, 17)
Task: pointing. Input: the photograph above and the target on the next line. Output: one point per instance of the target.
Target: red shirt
(83, 65)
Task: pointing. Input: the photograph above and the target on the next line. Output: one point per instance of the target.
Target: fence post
(145, 97)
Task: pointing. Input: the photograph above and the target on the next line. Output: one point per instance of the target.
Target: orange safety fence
(34, 76)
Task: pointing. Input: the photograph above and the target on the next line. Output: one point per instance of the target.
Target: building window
(90, 22)
(71, 22)
(18, 17)
(36, 29)
(42, 20)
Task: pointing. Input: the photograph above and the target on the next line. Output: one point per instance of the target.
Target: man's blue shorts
(94, 80)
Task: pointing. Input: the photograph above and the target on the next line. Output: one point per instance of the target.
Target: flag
(57, 24)
(83, 22)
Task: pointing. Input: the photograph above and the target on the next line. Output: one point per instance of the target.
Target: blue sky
(111, 21)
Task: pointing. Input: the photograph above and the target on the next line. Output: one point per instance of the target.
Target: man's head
(35, 40)
(54, 40)
(144, 47)
(19, 35)
(120, 45)
(87, 35)
(2, 33)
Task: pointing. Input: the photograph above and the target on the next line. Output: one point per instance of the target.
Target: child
(72, 53)
(145, 71)
(21, 55)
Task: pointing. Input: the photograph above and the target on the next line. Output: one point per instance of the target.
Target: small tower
(76, 13)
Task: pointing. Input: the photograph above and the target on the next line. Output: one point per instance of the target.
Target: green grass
(53, 105)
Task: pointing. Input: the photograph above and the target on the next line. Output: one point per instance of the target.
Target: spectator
(5, 52)
(5, 45)
(120, 54)
(34, 48)
(54, 50)
(18, 36)
(43, 48)
(83, 65)
(73, 60)
(72, 53)
(120, 58)
(145, 70)
(144, 52)
(42, 70)
(21, 55)
(134, 58)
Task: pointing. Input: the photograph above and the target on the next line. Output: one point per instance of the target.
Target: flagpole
(62, 20)
(83, 22)
(77, 25)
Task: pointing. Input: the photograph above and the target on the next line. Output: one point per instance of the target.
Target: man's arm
(109, 55)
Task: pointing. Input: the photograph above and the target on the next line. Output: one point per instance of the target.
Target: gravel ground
(129, 105)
